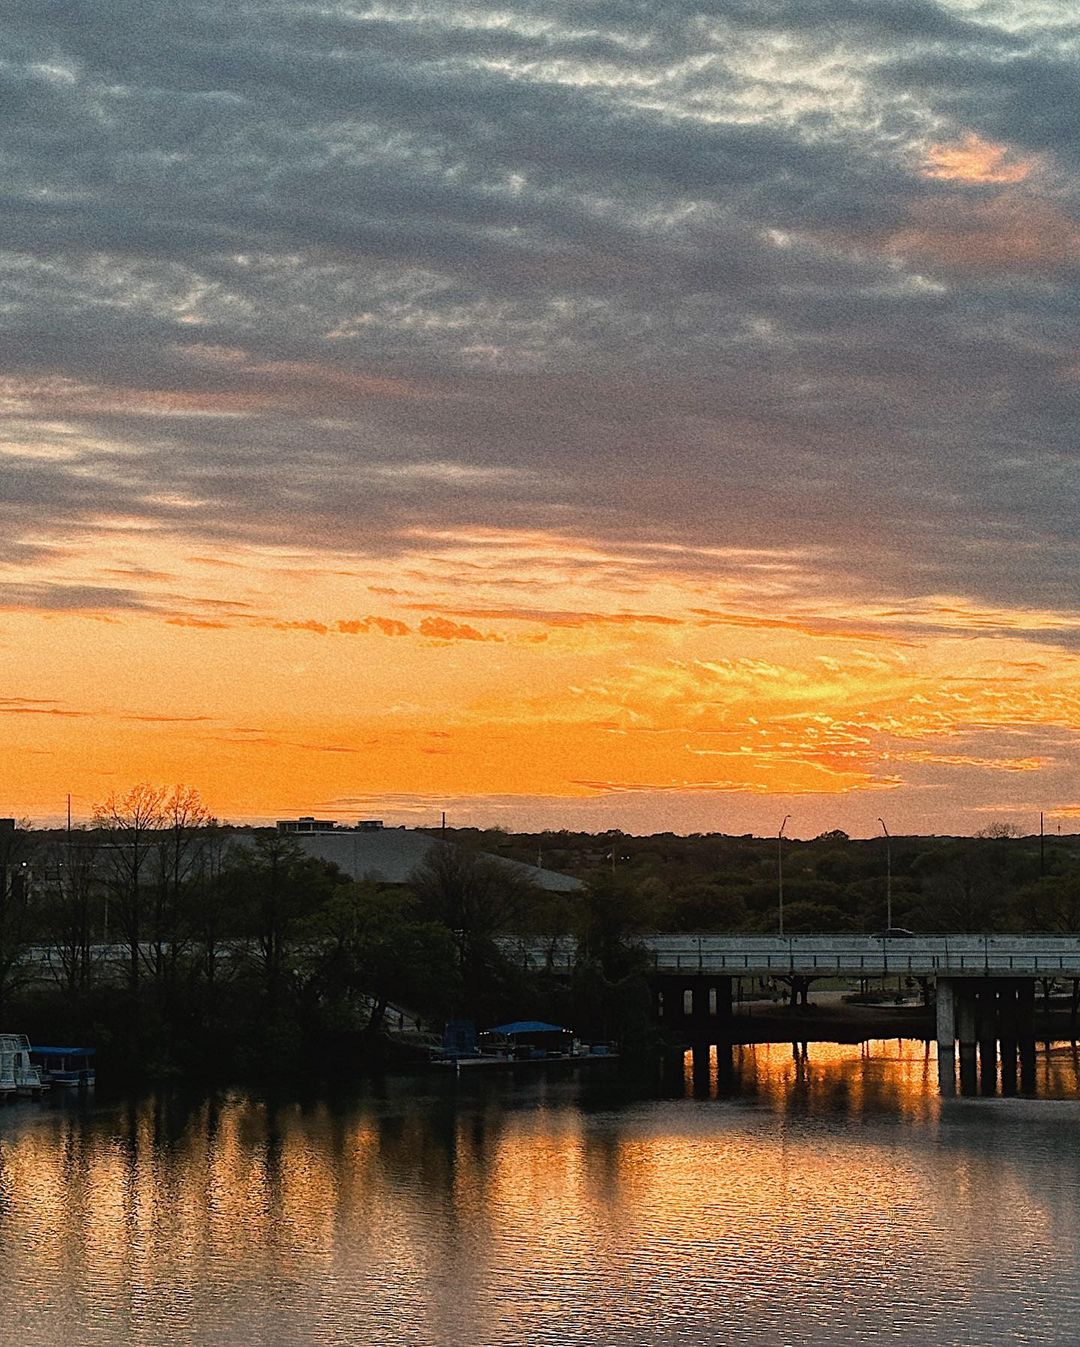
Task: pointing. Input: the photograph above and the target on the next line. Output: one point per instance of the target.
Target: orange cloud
(309, 624)
(19, 706)
(168, 720)
(256, 387)
(443, 630)
(306, 374)
(359, 626)
(693, 690)
(556, 617)
(975, 160)
(60, 394)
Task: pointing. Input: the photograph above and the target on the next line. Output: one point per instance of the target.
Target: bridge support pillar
(696, 1003)
(986, 1029)
(1008, 1027)
(724, 994)
(966, 1033)
(1026, 1018)
(946, 1035)
(946, 1013)
(669, 999)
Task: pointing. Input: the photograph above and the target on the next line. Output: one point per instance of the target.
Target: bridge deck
(852, 955)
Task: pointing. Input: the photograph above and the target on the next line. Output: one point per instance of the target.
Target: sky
(564, 415)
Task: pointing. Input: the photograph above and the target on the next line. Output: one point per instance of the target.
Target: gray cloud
(322, 275)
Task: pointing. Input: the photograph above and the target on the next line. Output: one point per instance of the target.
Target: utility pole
(888, 875)
(780, 871)
(1042, 845)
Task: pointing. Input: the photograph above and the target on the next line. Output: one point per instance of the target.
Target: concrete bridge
(944, 955)
(985, 985)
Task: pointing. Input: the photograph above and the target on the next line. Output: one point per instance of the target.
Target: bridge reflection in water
(899, 1076)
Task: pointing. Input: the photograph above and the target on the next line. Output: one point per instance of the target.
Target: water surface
(820, 1196)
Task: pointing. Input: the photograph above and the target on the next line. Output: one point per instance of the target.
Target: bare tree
(129, 825)
(153, 842)
(182, 855)
(71, 895)
(999, 832)
(210, 887)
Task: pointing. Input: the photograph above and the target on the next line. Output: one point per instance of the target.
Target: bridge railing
(824, 955)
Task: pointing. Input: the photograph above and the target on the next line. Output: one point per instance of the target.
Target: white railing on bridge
(948, 955)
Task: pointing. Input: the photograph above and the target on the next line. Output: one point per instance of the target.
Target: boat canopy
(63, 1052)
(527, 1027)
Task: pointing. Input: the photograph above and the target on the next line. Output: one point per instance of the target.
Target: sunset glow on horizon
(559, 418)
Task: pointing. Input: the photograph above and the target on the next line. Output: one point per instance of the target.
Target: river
(805, 1199)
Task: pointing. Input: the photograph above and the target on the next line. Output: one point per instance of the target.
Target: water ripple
(835, 1200)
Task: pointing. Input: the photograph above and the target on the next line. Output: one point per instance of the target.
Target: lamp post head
(783, 825)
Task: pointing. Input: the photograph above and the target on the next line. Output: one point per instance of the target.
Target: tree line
(997, 880)
(178, 944)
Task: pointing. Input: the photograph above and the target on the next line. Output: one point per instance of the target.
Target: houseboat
(18, 1074)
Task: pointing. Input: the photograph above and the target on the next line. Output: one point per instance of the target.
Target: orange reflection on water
(446, 1217)
(899, 1075)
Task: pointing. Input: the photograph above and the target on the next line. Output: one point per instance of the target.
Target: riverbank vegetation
(177, 945)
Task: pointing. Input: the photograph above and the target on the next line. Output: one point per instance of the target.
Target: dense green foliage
(712, 882)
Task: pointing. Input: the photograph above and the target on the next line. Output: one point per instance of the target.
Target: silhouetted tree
(182, 845)
(129, 825)
(69, 904)
(475, 897)
(371, 947)
(16, 853)
(278, 888)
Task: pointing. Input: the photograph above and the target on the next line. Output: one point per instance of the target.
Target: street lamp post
(780, 870)
(888, 875)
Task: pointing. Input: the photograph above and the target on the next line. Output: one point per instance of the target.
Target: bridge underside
(985, 1025)
(699, 1006)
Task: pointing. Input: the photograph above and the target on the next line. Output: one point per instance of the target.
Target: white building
(392, 855)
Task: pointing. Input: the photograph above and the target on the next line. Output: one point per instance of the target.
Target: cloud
(28, 706)
(553, 617)
(755, 321)
(442, 629)
(387, 626)
(67, 598)
(1008, 234)
(974, 160)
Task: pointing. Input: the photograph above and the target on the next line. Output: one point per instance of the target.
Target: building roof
(391, 855)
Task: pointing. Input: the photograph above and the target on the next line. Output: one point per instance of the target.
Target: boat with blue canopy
(73, 1067)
